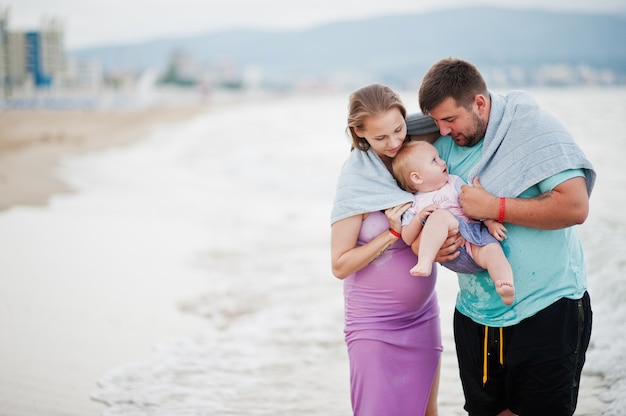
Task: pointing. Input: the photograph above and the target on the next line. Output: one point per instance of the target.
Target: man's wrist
(502, 210)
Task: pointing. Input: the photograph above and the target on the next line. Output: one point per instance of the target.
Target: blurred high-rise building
(36, 59)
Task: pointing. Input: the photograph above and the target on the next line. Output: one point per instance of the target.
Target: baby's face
(432, 170)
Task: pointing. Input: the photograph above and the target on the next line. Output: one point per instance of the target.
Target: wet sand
(32, 142)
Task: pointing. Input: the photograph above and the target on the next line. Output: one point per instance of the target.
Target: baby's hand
(425, 213)
(496, 229)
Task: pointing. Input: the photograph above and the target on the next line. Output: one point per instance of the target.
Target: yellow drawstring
(501, 347)
(485, 356)
(485, 352)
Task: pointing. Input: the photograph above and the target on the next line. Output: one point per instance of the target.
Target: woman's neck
(387, 161)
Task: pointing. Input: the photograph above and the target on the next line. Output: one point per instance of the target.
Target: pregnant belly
(387, 292)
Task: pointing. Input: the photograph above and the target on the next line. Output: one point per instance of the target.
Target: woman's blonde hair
(368, 101)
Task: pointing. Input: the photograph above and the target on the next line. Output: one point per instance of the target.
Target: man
(527, 172)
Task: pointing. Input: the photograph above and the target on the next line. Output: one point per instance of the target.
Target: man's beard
(480, 128)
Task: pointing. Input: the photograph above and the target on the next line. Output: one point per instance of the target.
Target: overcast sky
(100, 22)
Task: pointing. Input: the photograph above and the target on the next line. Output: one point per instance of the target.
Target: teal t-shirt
(547, 264)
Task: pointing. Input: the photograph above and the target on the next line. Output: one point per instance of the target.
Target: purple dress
(392, 330)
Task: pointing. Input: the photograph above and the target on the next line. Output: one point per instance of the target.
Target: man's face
(465, 127)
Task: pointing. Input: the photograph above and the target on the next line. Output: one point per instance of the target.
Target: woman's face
(384, 132)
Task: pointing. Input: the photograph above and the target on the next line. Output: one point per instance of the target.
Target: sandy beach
(93, 314)
(33, 141)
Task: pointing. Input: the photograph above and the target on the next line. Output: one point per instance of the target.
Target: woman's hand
(394, 216)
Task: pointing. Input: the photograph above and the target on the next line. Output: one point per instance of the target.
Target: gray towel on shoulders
(418, 123)
(524, 145)
(365, 185)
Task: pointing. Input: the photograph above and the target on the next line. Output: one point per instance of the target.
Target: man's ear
(480, 102)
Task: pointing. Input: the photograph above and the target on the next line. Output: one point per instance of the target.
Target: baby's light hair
(403, 164)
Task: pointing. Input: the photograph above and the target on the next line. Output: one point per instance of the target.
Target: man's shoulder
(444, 146)
(443, 141)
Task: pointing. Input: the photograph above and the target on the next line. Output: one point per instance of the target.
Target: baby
(419, 170)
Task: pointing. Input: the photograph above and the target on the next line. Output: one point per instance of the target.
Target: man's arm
(564, 206)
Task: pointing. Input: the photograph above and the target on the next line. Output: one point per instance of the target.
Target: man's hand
(567, 204)
(477, 203)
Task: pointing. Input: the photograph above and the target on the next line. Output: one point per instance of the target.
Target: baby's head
(418, 168)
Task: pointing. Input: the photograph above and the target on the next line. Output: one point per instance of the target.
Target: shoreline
(33, 143)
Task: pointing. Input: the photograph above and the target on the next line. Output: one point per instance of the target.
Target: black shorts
(532, 368)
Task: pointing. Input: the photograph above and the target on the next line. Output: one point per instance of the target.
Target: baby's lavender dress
(392, 330)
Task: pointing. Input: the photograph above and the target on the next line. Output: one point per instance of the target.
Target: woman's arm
(346, 257)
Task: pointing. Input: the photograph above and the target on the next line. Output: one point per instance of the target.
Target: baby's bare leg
(434, 233)
(492, 258)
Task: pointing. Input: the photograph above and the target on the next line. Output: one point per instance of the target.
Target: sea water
(237, 200)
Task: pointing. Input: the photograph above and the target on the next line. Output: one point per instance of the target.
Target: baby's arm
(412, 229)
(496, 229)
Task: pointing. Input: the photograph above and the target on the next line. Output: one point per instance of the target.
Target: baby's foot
(506, 290)
(420, 270)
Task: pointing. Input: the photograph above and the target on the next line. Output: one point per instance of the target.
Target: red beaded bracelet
(395, 233)
(502, 208)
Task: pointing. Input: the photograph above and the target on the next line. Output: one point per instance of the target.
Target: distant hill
(514, 44)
